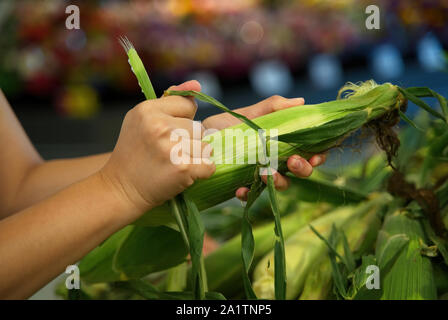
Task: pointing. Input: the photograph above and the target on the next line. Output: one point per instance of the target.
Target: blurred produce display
(39, 57)
(332, 237)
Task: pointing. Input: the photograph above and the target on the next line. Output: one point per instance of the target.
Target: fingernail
(297, 164)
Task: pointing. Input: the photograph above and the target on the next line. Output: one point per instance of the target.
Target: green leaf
(203, 97)
(196, 240)
(176, 278)
(97, 265)
(279, 246)
(421, 104)
(427, 92)
(181, 219)
(390, 251)
(339, 278)
(359, 290)
(330, 246)
(150, 292)
(139, 69)
(348, 255)
(409, 121)
(145, 251)
(247, 237)
(312, 190)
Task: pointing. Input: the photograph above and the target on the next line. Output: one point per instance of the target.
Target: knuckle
(276, 99)
(182, 168)
(164, 149)
(156, 128)
(140, 110)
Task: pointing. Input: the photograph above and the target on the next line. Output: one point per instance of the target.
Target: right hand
(140, 167)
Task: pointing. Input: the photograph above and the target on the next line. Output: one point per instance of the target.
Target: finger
(299, 166)
(266, 106)
(194, 129)
(187, 85)
(281, 183)
(193, 151)
(177, 106)
(269, 105)
(202, 171)
(242, 193)
(317, 159)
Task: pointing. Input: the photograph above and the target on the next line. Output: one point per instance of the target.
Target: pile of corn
(359, 233)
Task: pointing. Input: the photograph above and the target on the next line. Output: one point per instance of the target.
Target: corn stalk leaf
(440, 243)
(312, 190)
(359, 290)
(181, 219)
(331, 247)
(203, 97)
(339, 271)
(339, 278)
(348, 255)
(408, 120)
(247, 237)
(196, 240)
(184, 210)
(150, 292)
(279, 247)
(387, 256)
(139, 69)
(422, 104)
(427, 92)
(144, 251)
(97, 265)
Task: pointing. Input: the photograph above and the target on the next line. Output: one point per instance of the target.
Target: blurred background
(71, 88)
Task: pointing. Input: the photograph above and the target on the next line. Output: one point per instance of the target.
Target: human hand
(140, 167)
(297, 165)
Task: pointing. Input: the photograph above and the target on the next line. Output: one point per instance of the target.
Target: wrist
(127, 206)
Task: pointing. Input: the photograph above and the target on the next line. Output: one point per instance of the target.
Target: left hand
(297, 165)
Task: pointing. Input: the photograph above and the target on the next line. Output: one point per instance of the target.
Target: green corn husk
(318, 282)
(304, 130)
(406, 274)
(304, 249)
(223, 266)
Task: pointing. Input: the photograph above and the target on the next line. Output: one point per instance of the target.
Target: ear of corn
(360, 233)
(224, 266)
(405, 272)
(304, 130)
(304, 249)
(318, 282)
